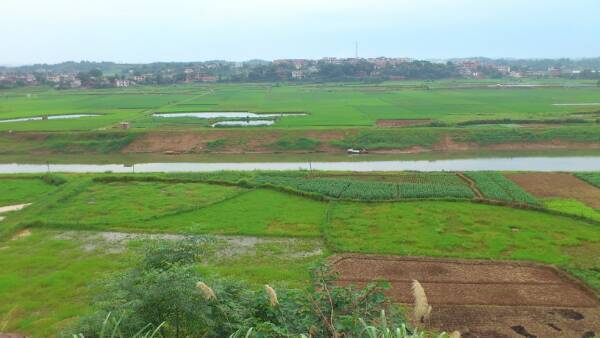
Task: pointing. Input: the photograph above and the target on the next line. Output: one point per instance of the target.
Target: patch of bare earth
(484, 298)
(169, 142)
(563, 185)
(15, 207)
(21, 234)
(261, 141)
(235, 141)
(402, 122)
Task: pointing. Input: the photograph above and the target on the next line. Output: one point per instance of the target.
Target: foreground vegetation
(298, 218)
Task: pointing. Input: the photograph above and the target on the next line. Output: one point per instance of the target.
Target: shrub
(53, 179)
(163, 292)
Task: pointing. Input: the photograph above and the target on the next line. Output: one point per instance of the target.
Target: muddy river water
(575, 163)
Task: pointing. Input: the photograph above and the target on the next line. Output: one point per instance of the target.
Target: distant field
(328, 105)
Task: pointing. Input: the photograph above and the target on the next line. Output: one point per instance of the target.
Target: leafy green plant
(54, 179)
(110, 329)
(163, 291)
(384, 330)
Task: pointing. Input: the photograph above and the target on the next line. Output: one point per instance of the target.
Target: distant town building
(122, 83)
(554, 71)
(503, 69)
(53, 78)
(297, 74)
(75, 83)
(207, 78)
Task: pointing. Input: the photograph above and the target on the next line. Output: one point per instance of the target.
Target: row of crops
(437, 178)
(591, 178)
(494, 186)
(368, 190)
(373, 186)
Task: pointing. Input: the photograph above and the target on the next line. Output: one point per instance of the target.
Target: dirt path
(15, 207)
(484, 298)
(471, 184)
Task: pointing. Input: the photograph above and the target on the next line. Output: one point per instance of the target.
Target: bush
(161, 293)
(301, 143)
(54, 180)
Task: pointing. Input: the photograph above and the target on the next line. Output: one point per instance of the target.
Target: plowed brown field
(484, 298)
(563, 185)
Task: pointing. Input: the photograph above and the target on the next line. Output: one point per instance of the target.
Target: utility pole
(356, 49)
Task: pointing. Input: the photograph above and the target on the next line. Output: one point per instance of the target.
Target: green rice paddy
(328, 105)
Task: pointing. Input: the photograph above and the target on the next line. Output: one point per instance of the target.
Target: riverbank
(212, 145)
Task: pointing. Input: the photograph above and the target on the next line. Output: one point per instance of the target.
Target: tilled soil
(484, 298)
(562, 185)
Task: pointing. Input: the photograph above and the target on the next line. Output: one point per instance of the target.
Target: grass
(46, 282)
(129, 202)
(49, 277)
(573, 207)
(25, 190)
(333, 104)
(339, 116)
(267, 261)
(464, 230)
(257, 213)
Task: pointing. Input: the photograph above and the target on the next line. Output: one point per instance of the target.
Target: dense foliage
(161, 292)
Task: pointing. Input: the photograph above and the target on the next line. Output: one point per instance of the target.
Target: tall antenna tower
(356, 49)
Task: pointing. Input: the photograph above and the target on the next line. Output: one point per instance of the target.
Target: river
(575, 163)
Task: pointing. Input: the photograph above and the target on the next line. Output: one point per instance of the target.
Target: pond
(241, 123)
(49, 117)
(231, 114)
(576, 163)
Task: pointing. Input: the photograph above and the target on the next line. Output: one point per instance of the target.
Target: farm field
(336, 105)
(462, 116)
(268, 227)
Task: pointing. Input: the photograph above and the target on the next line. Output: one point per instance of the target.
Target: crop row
(442, 178)
(591, 178)
(495, 186)
(367, 190)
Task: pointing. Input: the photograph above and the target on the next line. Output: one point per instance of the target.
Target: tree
(97, 73)
(83, 77)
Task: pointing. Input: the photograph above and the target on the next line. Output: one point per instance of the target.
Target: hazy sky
(33, 31)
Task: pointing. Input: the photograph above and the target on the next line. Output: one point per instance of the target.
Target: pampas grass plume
(422, 309)
(272, 295)
(209, 294)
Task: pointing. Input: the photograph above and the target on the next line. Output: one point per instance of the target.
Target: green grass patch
(464, 230)
(391, 139)
(120, 203)
(23, 190)
(296, 143)
(50, 278)
(47, 282)
(256, 213)
(572, 207)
